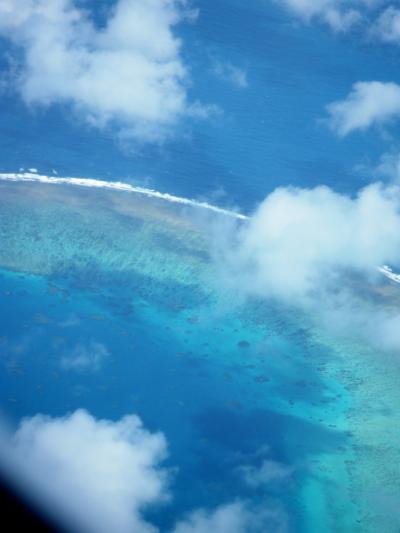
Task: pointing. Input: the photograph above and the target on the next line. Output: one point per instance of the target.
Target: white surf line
(119, 186)
(388, 272)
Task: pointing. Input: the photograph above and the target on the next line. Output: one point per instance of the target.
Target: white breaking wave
(388, 272)
(119, 186)
(151, 193)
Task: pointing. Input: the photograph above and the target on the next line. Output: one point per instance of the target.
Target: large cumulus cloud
(97, 475)
(320, 250)
(127, 73)
(299, 239)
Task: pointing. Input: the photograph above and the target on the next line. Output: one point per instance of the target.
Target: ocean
(232, 384)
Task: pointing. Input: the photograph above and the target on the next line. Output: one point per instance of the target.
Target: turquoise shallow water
(229, 383)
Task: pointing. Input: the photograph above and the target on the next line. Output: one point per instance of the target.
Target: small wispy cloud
(389, 166)
(88, 357)
(345, 15)
(369, 103)
(268, 472)
(337, 14)
(387, 26)
(236, 517)
(230, 73)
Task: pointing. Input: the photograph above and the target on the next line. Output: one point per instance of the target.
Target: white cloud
(237, 517)
(97, 475)
(230, 73)
(129, 74)
(369, 103)
(387, 26)
(389, 166)
(233, 518)
(386, 169)
(86, 358)
(338, 14)
(300, 238)
(306, 248)
(268, 472)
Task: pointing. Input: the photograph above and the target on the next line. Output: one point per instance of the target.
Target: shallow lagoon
(229, 384)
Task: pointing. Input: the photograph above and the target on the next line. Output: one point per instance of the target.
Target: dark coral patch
(244, 344)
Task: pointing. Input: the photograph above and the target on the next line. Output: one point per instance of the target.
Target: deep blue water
(269, 134)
